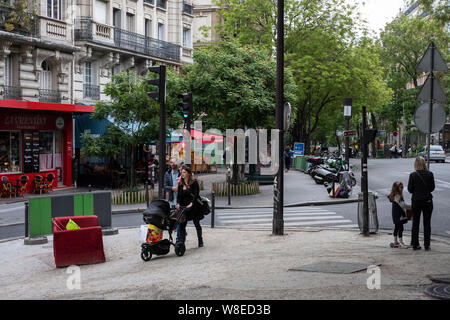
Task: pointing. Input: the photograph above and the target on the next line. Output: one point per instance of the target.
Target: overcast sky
(379, 12)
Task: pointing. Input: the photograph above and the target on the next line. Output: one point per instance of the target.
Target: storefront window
(46, 150)
(10, 151)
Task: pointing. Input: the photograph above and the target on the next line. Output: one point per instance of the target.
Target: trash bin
(373, 217)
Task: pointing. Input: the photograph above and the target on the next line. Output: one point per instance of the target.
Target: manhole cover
(334, 267)
(440, 291)
(440, 278)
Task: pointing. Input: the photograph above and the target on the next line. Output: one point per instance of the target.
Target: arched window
(46, 76)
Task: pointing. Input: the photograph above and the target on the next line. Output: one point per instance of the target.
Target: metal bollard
(27, 214)
(229, 186)
(213, 208)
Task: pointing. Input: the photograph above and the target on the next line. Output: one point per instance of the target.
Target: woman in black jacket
(188, 193)
(421, 184)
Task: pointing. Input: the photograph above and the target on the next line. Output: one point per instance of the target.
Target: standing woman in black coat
(421, 185)
(188, 193)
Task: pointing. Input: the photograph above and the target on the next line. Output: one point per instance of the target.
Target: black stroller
(158, 214)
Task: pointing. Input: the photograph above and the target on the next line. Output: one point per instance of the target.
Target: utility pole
(364, 177)
(278, 222)
(160, 97)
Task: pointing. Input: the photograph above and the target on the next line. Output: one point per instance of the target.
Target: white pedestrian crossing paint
(293, 217)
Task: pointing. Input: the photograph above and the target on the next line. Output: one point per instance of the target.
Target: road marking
(293, 217)
(11, 209)
(448, 232)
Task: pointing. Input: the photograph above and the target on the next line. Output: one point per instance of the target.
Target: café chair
(7, 189)
(39, 184)
(49, 183)
(22, 185)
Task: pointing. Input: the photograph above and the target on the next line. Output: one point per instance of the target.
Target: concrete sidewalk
(234, 264)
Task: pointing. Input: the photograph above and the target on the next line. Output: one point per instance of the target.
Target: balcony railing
(12, 93)
(152, 47)
(161, 4)
(91, 92)
(88, 30)
(22, 23)
(49, 96)
(188, 8)
(152, 2)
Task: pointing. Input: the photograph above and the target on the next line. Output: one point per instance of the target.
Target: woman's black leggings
(182, 230)
(398, 230)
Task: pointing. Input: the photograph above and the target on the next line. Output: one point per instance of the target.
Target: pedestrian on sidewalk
(398, 213)
(287, 158)
(188, 194)
(171, 180)
(421, 185)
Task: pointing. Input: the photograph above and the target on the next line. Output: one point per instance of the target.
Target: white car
(436, 153)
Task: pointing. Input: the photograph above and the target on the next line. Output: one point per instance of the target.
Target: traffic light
(186, 105)
(160, 95)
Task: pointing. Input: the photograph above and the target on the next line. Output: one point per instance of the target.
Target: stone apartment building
(56, 57)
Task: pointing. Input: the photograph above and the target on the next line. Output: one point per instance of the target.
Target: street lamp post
(278, 223)
(347, 116)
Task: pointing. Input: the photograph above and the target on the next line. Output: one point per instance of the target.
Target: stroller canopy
(159, 208)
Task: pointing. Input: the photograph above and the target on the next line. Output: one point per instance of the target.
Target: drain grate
(440, 291)
(440, 278)
(334, 267)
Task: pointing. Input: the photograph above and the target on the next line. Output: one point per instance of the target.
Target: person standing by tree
(421, 185)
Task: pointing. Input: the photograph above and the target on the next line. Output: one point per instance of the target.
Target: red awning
(44, 106)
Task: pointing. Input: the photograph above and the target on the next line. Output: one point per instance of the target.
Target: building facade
(56, 56)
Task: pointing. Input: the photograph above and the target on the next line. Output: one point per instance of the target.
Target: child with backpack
(398, 213)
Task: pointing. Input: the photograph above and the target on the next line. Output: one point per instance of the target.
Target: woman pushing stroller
(188, 194)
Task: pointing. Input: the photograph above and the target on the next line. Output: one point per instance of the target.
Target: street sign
(349, 133)
(431, 84)
(339, 133)
(299, 149)
(432, 60)
(422, 118)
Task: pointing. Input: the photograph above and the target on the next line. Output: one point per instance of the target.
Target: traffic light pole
(278, 222)
(162, 134)
(364, 177)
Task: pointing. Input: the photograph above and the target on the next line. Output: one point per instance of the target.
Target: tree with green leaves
(131, 113)
(404, 41)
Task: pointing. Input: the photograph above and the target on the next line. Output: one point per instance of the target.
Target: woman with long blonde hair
(421, 185)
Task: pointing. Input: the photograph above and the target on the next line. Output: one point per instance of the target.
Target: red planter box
(80, 246)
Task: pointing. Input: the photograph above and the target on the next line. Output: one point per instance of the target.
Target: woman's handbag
(409, 214)
(178, 215)
(203, 205)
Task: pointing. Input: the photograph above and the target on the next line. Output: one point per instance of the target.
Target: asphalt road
(383, 172)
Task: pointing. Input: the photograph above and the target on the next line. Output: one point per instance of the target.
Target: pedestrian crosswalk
(293, 217)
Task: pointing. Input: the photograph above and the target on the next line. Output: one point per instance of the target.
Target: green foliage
(233, 86)
(133, 115)
(21, 18)
(404, 41)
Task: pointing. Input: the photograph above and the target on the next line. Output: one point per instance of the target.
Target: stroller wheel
(180, 249)
(146, 255)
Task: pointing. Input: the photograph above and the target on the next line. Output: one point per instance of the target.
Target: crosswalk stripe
(267, 210)
(306, 223)
(293, 217)
(268, 219)
(257, 215)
